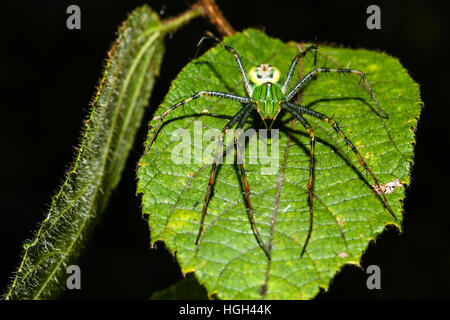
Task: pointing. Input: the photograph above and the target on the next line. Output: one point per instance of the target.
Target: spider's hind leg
(330, 121)
(294, 111)
(240, 118)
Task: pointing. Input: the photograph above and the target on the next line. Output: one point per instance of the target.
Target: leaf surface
(347, 212)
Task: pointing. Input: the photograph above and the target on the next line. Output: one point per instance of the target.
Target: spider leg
(236, 56)
(298, 114)
(239, 115)
(290, 106)
(295, 62)
(217, 94)
(247, 186)
(240, 118)
(311, 76)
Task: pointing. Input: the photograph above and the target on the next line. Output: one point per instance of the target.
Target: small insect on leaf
(277, 220)
(388, 187)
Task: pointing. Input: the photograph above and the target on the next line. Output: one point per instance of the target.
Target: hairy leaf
(117, 110)
(347, 212)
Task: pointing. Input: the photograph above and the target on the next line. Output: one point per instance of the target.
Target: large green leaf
(228, 260)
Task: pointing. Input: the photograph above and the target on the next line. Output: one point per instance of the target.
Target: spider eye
(259, 76)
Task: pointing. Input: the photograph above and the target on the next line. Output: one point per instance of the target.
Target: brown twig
(215, 16)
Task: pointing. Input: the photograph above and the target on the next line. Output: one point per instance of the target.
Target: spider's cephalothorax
(269, 95)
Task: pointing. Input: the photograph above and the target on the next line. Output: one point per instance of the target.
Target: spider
(268, 95)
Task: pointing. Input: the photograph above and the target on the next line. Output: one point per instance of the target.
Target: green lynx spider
(267, 94)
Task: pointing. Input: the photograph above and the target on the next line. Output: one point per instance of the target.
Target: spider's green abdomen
(268, 97)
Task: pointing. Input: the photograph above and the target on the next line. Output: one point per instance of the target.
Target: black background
(48, 77)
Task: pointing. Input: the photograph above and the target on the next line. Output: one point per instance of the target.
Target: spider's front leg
(217, 94)
(294, 63)
(240, 118)
(313, 74)
(237, 58)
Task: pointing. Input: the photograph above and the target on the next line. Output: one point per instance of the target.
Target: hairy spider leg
(312, 75)
(240, 118)
(240, 114)
(336, 128)
(217, 94)
(246, 185)
(294, 63)
(237, 58)
(312, 140)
